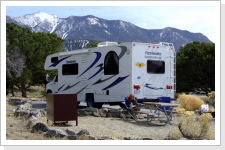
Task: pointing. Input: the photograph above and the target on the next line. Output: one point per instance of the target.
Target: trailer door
(156, 83)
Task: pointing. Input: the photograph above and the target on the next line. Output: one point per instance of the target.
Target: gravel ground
(113, 128)
(118, 128)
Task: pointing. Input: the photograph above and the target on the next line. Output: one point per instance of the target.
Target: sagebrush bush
(193, 126)
(210, 99)
(207, 131)
(174, 134)
(189, 127)
(189, 102)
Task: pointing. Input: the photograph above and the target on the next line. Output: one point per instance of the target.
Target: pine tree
(26, 52)
(196, 67)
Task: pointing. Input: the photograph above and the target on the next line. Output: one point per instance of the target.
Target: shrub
(189, 127)
(210, 99)
(174, 134)
(193, 126)
(207, 131)
(189, 102)
(180, 110)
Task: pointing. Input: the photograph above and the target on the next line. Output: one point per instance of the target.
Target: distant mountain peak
(93, 20)
(98, 29)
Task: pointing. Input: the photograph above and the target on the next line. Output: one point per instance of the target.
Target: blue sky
(197, 18)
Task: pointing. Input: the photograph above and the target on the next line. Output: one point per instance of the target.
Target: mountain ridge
(98, 29)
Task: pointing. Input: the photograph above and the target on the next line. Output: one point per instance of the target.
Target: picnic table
(160, 113)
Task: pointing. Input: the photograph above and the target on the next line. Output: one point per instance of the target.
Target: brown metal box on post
(62, 107)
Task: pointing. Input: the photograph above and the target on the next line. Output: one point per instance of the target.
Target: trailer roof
(73, 52)
(80, 51)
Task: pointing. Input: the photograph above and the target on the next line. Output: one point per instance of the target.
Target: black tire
(48, 92)
(98, 105)
(90, 102)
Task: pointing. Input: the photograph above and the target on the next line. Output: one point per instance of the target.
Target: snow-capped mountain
(38, 22)
(76, 28)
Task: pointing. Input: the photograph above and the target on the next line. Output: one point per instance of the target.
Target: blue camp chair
(165, 100)
(126, 110)
(167, 110)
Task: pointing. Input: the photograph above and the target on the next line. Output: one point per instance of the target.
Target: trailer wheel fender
(49, 91)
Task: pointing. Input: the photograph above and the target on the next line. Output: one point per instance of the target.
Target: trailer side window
(154, 66)
(111, 63)
(54, 59)
(70, 69)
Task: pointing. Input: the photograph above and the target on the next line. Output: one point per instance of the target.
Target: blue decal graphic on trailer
(123, 51)
(70, 86)
(60, 88)
(95, 61)
(100, 69)
(117, 81)
(154, 88)
(78, 92)
(56, 63)
(100, 80)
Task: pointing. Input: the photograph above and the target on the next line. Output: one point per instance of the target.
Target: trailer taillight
(169, 87)
(137, 86)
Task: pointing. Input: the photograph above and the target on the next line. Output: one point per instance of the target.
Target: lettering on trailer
(71, 61)
(153, 55)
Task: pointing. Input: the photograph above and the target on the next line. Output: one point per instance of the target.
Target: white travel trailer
(107, 74)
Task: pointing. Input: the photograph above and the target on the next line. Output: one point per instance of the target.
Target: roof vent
(107, 43)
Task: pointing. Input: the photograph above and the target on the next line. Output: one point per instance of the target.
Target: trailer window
(111, 63)
(54, 59)
(70, 69)
(154, 66)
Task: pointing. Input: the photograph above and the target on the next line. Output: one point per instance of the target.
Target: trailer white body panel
(110, 73)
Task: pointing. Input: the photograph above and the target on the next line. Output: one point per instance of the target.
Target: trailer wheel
(48, 92)
(98, 105)
(90, 102)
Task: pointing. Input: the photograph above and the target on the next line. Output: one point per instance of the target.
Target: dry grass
(189, 102)
(32, 92)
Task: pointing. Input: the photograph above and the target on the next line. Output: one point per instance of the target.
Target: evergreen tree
(196, 67)
(33, 49)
